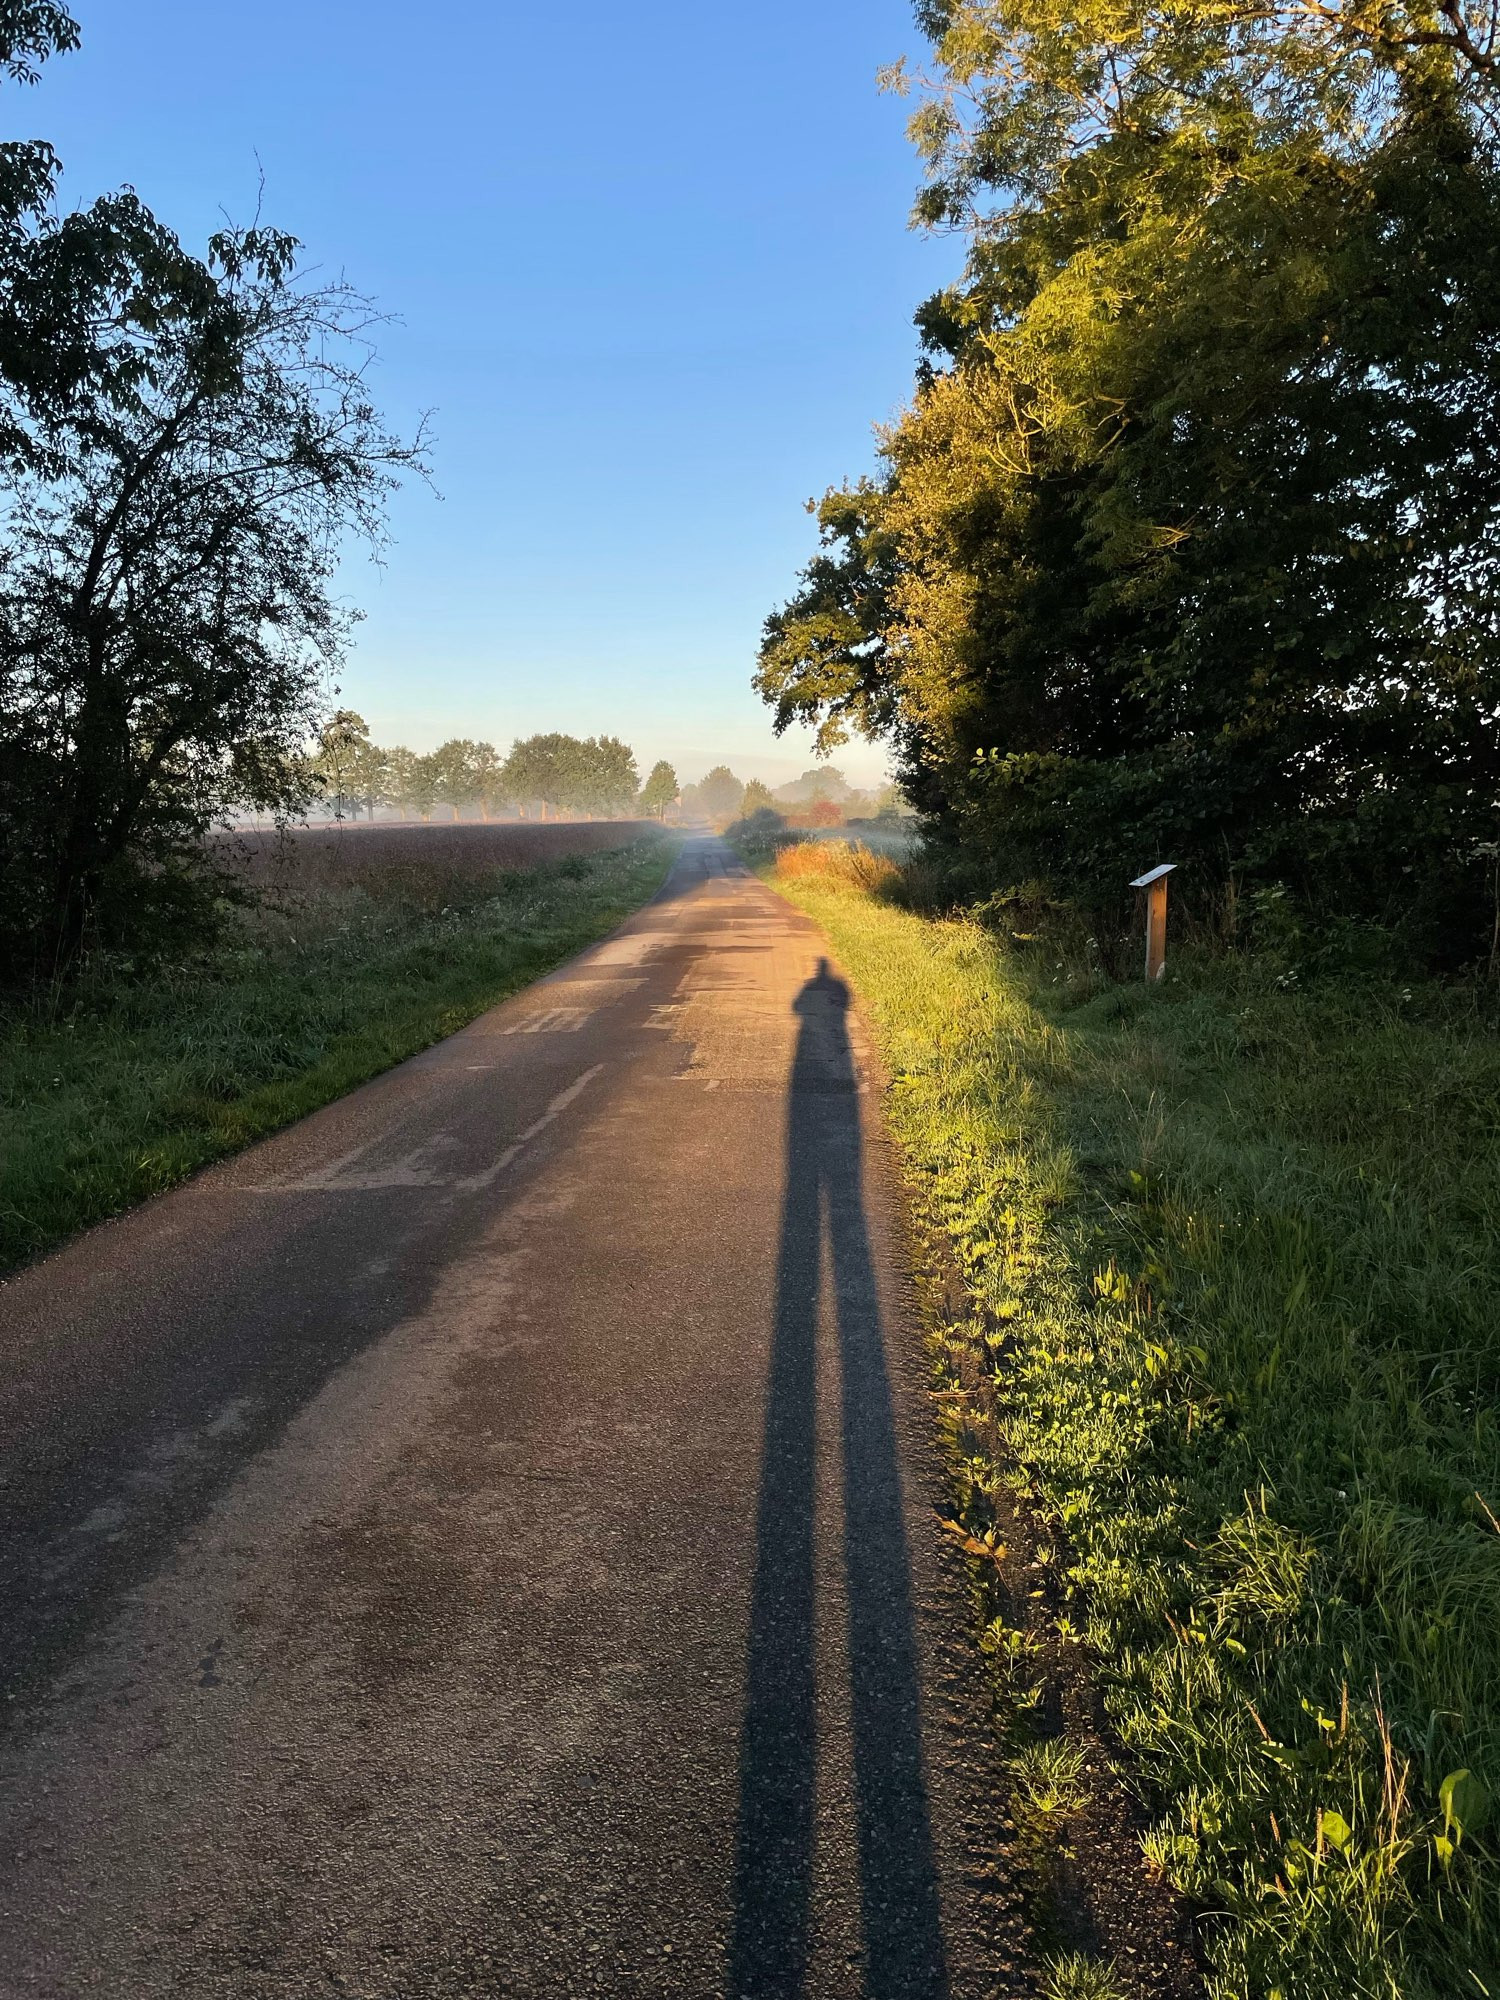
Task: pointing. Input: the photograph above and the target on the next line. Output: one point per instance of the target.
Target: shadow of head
(824, 994)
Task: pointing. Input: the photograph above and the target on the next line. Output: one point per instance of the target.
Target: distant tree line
(820, 797)
(593, 776)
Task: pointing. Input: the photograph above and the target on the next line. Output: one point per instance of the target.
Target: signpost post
(1155, 886)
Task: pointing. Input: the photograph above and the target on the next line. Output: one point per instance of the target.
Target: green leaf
(1283, 1754)
(1336, 1830)
(1465, 1802)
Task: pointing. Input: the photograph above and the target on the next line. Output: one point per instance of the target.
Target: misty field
(349, 853)
(367, 944)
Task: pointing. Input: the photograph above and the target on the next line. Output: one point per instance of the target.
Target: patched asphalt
(484, 1540)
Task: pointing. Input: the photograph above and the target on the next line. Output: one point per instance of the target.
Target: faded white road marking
(586, 987)
(553, 1021)
(632, 949)
(324, 1176)
(414, 1169)
(166, 1459)
(555, 1109)
(417, 1168)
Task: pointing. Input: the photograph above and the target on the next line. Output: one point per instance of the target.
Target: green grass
(1233, 1251)
(146, 1077)
(1078, 1977)
(1047, 1775)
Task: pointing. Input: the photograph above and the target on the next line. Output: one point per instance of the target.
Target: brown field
(415, 856)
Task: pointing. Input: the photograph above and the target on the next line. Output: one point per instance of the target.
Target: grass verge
(144, 1079)
(1232, 1256)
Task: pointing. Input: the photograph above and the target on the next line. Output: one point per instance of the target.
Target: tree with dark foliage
(188, 444)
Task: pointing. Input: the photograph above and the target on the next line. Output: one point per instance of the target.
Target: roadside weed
(1048, 1775)
(1076, 1976)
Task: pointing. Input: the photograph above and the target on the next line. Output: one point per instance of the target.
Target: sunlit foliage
(1187, 547)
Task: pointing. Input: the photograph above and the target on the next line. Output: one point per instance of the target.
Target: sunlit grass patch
(837, 861)
(1236, 1253)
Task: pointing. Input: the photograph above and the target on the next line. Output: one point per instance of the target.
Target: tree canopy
(720, 792)
(594, 774)
(660, 789)
(1186, 548)
(347, 765)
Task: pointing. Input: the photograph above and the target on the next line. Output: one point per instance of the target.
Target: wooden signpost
(1155, 886)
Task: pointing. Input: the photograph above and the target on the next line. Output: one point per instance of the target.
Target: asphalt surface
(483, 1540)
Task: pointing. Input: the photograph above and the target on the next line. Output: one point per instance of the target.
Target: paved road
(481, 1541)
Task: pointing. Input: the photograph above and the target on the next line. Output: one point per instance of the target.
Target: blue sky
(653, 277)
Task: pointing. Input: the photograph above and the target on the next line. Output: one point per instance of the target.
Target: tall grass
(1233, 1252)
(148, 1073)
(851, 864)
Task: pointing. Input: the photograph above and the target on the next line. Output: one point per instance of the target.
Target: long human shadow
(823, 1227)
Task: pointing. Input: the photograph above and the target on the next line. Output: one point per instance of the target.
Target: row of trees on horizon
(591, 777)
(549, 774)
(822, 796)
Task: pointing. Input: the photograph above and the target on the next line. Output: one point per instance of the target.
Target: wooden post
(1155, 886)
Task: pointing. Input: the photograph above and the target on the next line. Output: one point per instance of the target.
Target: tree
(455, 774)
(660, 789)
(720, 792)
(1189, 544)
(30, 32)
(540, 768)
(826, 781)
(825, 657)
(594, 775)
(486, 771)
(422, 785)
(342, 761)
(605, 780)
(756, 797)
(190, 442)
(369, 777)
(400, 765)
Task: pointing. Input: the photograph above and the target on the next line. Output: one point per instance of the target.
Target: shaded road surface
(481, 1540)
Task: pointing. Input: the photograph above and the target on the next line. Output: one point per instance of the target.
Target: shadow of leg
(904, 1955)
(773, 1861)
(903, 1945)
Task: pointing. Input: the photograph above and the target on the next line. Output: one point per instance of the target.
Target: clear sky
(654, 280)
